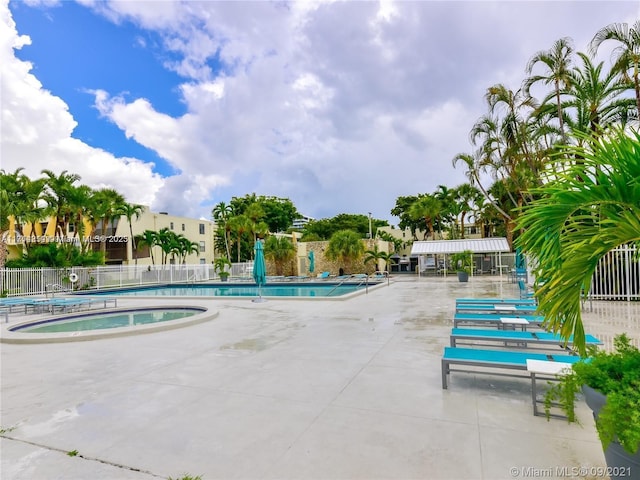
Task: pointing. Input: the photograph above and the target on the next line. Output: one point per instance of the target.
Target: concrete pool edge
(344, 296)
(17, 337)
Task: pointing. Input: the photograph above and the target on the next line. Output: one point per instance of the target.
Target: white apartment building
(199, 231)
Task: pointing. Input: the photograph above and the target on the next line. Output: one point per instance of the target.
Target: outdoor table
(513, 321)
(550, 371)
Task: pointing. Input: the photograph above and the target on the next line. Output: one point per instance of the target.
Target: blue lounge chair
(485, 319)
(66, 304)
(524, 290)
(497, 309)
(494, 359)
(511, 336)
(101, 300)
(19, 302)
(495, 301)
(296, 278)
(324, 275)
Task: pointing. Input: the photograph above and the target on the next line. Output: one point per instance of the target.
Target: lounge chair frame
(495, 301)
(497, 309)
(513, 338)
(494, 360)
(484, 319)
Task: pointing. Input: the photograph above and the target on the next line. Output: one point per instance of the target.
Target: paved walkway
(287, 390)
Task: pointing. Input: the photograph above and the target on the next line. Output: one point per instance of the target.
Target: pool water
(239, 290)
(103, 321)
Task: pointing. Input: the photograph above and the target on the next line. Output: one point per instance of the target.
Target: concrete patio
(289, 389)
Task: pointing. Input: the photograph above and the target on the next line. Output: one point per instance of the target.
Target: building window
(171, 225)
(203, 261)
(201, 229)
(183, 227)
(202, 244)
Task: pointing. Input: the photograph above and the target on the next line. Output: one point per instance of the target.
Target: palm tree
(375, 255)
(186, 247)
(372, 256)
(475, 166)
(449, 209)
(167, 241)
(581, 215)
(150, 239)
(254, 212)
(280, 250)
(395, 244)
(107, 205)
(56, 196)
(130, 210)
(21, 201)
(10, 188)
(221, 214)
(627, 54)
(260, 230)
(481, 216)
(346, 246)
(402, 210)
(500, 140)
(466, 197)
(428, 208)
(557, 61)
(81, 204)
(502, 192)
(514, 133)
(240, 225)
(595, 98)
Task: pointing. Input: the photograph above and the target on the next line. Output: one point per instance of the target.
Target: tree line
(520, 143)
(28, 201)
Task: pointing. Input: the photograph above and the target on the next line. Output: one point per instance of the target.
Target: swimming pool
(240, 290)
(105, 324)
(103, 321)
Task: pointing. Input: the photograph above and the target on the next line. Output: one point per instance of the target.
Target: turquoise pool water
(239, 290)
(103, 321)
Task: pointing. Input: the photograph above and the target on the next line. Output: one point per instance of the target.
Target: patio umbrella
(312, 261)
(521, 260)
(259, 270)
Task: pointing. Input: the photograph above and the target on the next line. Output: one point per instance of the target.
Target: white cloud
(340, 106)
(37, 131)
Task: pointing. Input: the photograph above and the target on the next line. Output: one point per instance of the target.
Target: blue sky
(340, 106)
(73, 51)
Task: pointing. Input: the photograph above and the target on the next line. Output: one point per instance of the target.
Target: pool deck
(344, 389)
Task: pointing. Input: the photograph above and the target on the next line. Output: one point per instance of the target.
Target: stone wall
(323, 264)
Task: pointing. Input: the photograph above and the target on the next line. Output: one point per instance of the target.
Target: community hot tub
(105, 324)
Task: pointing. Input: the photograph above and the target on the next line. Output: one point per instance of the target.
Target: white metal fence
(617, 276)
(38, 281)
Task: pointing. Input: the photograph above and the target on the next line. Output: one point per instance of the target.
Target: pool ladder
(53, 287)
(365, 280)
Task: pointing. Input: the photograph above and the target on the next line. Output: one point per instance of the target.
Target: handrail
(365, 279)
(57, 286)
